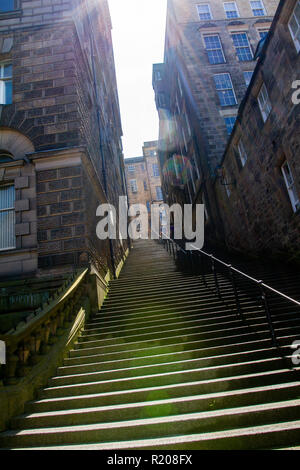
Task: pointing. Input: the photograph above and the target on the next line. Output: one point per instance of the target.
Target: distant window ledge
(5, 15)
(14, 163)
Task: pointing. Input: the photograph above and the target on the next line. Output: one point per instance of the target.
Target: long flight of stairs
(168, 365)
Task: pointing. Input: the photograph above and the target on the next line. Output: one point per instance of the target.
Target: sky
(138, 39)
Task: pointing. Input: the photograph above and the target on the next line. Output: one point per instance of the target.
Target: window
(248, 76)
(229, 122)
(155, 169)
(290, 184)
(225, 89)
(159, 194)
(5, 83)
(133, 186)
(294, 26)
(204, 12)
(214, 49)
(188, 125)
(263, 33)
(7, 5)
(131, 168)
(157, 75)
(5, 156)
(7, 217)
(264, 102)
(242, 46)
(231, 10)
(148, 206)
(142, 167)
(179, 85)
(242, 152)
(226, 183)
(145, 186)
(161, 99)
(258, 8)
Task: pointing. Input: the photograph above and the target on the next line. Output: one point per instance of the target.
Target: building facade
(60, 136)
(208, 64)
(259, 186)
(143, 178)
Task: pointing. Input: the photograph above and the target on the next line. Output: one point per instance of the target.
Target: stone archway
(15, 143)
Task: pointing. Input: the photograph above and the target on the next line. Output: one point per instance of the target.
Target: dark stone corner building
(60, 136)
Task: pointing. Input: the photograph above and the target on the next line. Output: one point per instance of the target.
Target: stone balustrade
(33, 338)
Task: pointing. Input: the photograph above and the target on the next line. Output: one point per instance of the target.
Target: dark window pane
(7, 5)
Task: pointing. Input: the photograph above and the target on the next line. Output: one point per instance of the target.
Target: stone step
(168, 368)
(193, 327)
(250, 438)
(160, 407)
(216, 337)
(206, 378)
(153, 355)
(122, 367)
(204, 422)
(195, 319)
(266, 379)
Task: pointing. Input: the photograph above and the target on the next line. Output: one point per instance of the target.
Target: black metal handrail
(232, 274)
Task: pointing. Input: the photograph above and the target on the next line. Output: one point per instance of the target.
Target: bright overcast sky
(138, 37)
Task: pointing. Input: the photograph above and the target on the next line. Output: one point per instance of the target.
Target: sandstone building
(208, 64)
(60, 136)
(260, 203)
(143, 177)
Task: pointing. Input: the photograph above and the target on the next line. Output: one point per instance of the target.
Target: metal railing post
(266, 305)
(213, 267)
(236, 294)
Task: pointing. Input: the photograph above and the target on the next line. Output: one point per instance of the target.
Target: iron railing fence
(228, 282)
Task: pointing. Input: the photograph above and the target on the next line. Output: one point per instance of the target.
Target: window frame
(133, 187)
(292, 192)
(14, 8)
(159, 190)
(209, 11)
(155, 165)
(242, 47)
(131, 168)
(227, 126)
(295, 37)
(266, 104)
(225, 89)
(236, 10)
(242, 152)
(3, 81)
(263, 8)
(248, 71)
(214, 49)
(9, 210)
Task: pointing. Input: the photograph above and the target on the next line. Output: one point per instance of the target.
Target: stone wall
(258, 215)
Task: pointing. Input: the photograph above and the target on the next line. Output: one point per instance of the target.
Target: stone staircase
(168, 365)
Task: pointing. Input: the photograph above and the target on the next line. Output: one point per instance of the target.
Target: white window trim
(9, 209)
(242, 152)
(296, 38)
(248, 71)
(249, 45)
(221, 46)
(133, 186)
(236, 9)
(263, 8)
(2, 82)
(206, 4)
(232, 88)
(289, 186)
(266, 106)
